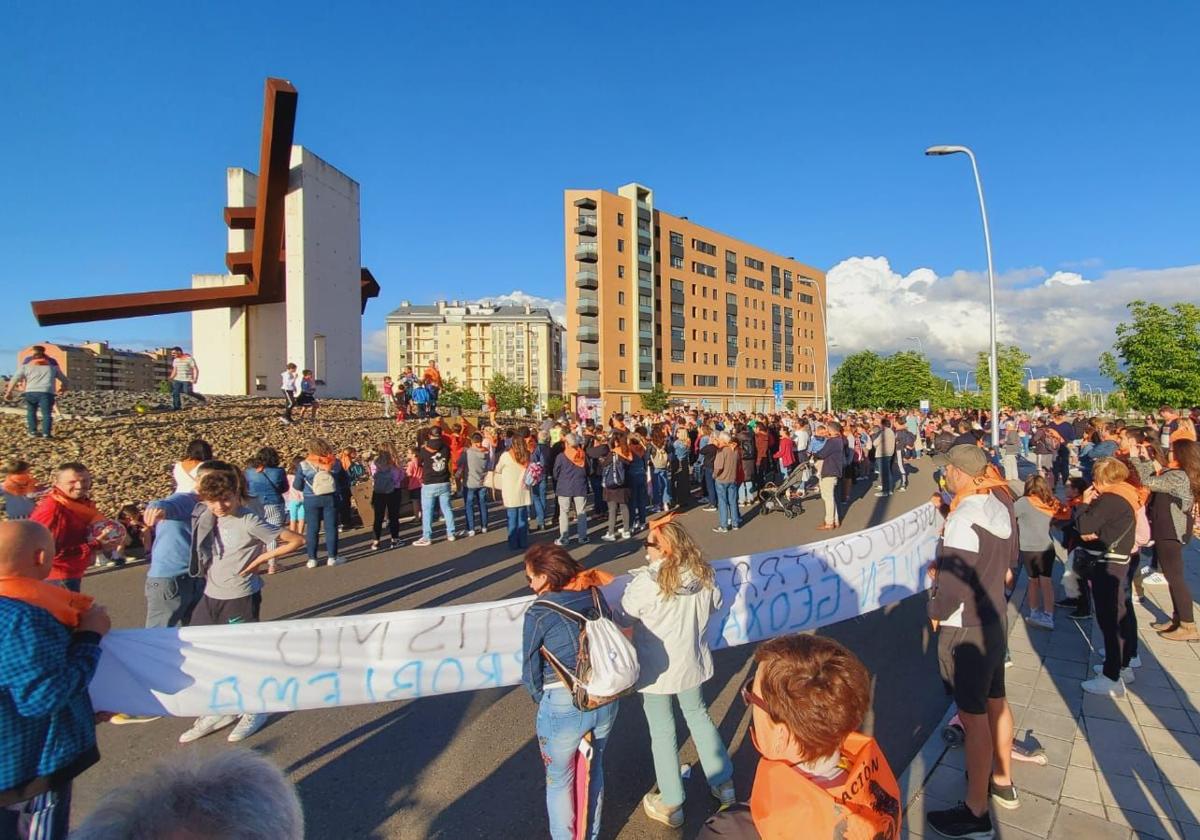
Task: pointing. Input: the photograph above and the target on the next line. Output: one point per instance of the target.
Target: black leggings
(386, 503)
(1169, 554)
(1038, 563)
(1110, 598)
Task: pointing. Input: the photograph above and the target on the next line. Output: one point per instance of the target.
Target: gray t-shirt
(39, 379)
(1033, 526)
(237, 539)
(476, 467)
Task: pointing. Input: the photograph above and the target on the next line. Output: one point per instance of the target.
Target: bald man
(49, 650)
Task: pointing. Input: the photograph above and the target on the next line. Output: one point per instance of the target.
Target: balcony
(588, 361)
(645, 338)
(643, 257)
(585, 203)
(587, 335)
(587, 279)
(644, 235)
(586, 226)
(644, 309)
(589, 387)
(587, 252)
(587, 306)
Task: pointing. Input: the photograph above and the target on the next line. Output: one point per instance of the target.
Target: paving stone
(1072, 649)
(1185, 802)
(949, 784)
(1150, 696)
(1042, 779)
(1138, 763)
(1107, 708)
(1130, 795)
(1188, 682)
(1053, 701)
(1047, 723)
(914, 819)
(1035, 815)
(1081, 754)
(1018, 695)
(1066, 803)
(1058, 751)
(1025, 659)
(1163, 741)
(1080, 783)
(1105, 735)
(1066, 668)
(1067, 686)
(1163, 718)
(1179, 772)
(1008, 832)
(1084, 824)
(1020, 676)
(1146, 826)
(1155, 678)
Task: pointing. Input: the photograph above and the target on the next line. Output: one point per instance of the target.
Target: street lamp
(811, 353)
(825, 335)
(957, 381)
(937, 151)
(920, 346)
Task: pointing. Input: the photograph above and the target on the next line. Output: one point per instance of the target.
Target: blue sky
(801, 129)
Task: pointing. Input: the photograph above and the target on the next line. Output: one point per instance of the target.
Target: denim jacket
(558, 633)
(307, 472)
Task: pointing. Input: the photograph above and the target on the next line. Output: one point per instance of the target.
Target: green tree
(1011, 361)
(469, 400)
(555, 405)
(791, 405)
(1156, 358)
(656, 399)
(1054, 385)
(1117, 404)
(1073, 403)
(369, 392)
(902, 380)
(853, 383)
(510, 395)
(450, 395)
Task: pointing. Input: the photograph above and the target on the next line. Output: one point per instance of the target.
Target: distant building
(474, 341)
(94, 365)
(1070, 388)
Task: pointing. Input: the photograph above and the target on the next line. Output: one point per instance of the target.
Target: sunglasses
(651, 543)
(750, 698)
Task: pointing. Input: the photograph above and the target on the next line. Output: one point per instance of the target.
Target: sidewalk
(1116, 768)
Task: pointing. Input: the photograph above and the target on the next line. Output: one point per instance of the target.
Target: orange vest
(863, 805)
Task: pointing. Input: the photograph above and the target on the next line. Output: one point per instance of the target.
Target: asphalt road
(467, 765)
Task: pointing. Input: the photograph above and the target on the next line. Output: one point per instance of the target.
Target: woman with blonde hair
(510, 479)
(669, 603)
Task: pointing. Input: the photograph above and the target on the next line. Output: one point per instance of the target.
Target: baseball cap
(965, 456)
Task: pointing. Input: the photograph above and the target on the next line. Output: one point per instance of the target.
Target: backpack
(607, 666)
(534, 472)
(658, 457)
(385, 480)
(614, 472)
(746, 446)
(322, 482)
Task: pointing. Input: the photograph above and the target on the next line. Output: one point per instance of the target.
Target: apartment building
(94, 365)
(653, 297)
(474, 341)
(1070, 388)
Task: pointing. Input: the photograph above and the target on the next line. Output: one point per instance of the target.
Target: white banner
(283, 666)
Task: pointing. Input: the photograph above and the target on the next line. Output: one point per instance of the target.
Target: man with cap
(968, 609)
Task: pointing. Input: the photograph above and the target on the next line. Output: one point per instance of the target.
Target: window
(705, 381)
(731, 299)
(706, 358)
(705, 334)
(622, 375)
(676, 262)
(731, 257)
(807, 386)
(620, 271)
(621, 246)
(676, 240)
(621, 350)
(704, 247)
(620, 298)
(676, 378)
(757, 265)
(693, 335)
(805, 298)
(677, 356)
(755, 383)
(753, 283)
(621, 324)
(730, 382)
(731, 276)
(706, 270)
(693, 357)
(620, 220)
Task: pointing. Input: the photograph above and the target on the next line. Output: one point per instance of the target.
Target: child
(20, 489)
(129, 516)
(307, 398)
(412, 469)
(388, 400)
(294, 499)
(229, 545)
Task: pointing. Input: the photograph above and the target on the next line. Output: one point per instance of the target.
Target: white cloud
(1064, 322)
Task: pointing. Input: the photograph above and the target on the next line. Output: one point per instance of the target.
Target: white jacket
(510, 480)
(669, 633)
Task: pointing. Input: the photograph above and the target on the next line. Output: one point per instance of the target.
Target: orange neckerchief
(1183, 434)
(985, 483)
(587, 579)
(1132, 495)
(1052, 509)
(344, 460)
(321, 462)
(84, 509)
(189, 464)
(1068, 508)
(574, 454)
(66, 606)
(20, 484)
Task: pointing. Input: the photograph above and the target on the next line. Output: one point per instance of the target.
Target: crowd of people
(1124, 488)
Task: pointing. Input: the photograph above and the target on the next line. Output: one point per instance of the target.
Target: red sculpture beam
(266, 273)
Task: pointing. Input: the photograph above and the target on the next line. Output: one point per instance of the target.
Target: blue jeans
(472, 497)
(441, 494)
(710, 488)
(638, 497)
(714, 757)
(537, 493)
(318, 509)
(518, 527)
(884, 467)
(599, 506)
(36, 401)
(727, 504)
(746, 492)
(560, 728)
(178, 389)
(659, 485)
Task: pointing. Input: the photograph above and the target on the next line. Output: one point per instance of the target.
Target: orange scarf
(985, 483)
(1132, 495)
(84, 509)
(574, 454)
(1183, 433)
(189, 465)
(20, 484)
(66, 606)
(1052, 508)
(321, 462)
(587, 579)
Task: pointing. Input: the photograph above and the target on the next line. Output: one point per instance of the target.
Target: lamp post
(825, 335)
(920, 346)
(957, 381)
(937, 151)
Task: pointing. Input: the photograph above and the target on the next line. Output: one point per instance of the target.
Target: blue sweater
(172, 550)
(559, 634)
(268, 485)
(46, 726)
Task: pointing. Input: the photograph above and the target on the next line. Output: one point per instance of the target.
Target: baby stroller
(789, 496)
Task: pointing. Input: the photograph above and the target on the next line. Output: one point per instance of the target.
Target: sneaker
(1127, 675)
(470, 533)
(625, 534)
(121, 719)
(374, 545)
(1155, 579)
(312, 563)
(903, 487)
(421, 543)
(960, 822)
(735, 527)
(724, 794)
(1103, 685)
(336, 560)
(1004, 795)
(709, 509)
(1135, 662)
(483, 530)
(609, 538)
(721, 530)
(451, 537)
(881, 493)
(655, 810)
(247, 726)
(1067, 602)
(562, 542)
(206, 725)
(1081, 613)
